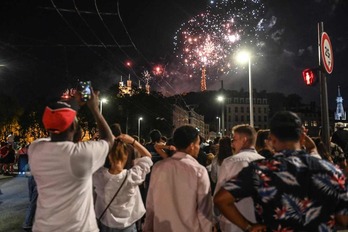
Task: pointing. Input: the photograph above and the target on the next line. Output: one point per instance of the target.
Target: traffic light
(309, 76)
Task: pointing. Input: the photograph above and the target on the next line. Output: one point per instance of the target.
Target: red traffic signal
(309, 76)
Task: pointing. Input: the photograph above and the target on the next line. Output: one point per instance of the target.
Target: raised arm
(307, 142)
(130, 140)
(103, 127)
(159, 147)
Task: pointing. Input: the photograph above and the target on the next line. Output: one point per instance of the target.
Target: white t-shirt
(127, 207)
(230, 167)
(63, 174)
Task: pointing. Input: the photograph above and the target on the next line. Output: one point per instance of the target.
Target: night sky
(47, 45)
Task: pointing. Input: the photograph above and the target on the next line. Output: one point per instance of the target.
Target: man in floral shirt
(292, 191)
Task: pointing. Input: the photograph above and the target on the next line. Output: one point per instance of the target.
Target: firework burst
(210, 38)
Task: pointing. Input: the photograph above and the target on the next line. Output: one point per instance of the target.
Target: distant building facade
(310, 116)
(238, 110)
(182, 117)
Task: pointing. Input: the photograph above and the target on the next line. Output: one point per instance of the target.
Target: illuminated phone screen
(85, 87)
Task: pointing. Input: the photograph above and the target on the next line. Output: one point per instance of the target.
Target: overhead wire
(130, 38)
(112, 36)
(73, 11)
(86, 23)
(114, 39)
(108, 30)
(94, 34)
(89, 46)
(78, 35)
(125, 29)
(139, 106)
(20, 53)
(106, 27)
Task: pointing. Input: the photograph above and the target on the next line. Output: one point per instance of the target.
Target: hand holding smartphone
(85, 89)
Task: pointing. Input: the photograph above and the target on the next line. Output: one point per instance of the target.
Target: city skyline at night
(54, 43)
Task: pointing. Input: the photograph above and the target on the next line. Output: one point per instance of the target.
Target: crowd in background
(13, 156)
(247, 182)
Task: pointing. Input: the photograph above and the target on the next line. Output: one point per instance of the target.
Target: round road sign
(326, 53)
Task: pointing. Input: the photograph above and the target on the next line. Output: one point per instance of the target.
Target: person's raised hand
(126, 138)
(93, 102)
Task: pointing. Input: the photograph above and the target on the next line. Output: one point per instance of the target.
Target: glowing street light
(139, 120)
(222, 100)
(244, 57)
(101, 101)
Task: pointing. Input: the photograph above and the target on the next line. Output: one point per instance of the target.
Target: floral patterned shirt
(293, 191)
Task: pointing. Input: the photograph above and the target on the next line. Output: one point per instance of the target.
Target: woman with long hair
(263, 144)
(119, 205)
(225, 150)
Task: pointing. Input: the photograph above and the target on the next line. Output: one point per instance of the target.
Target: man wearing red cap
(63, 169)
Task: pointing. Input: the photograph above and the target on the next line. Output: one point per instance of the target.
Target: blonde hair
(248, 131)
(210, 157)
(118, 152)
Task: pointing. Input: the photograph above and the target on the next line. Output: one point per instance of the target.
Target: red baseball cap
(58, 116)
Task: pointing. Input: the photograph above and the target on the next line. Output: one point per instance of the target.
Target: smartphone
(85, 90)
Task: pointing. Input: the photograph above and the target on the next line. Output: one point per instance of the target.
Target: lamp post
(102, 100)
(139, 120)
(245, 57)
(219, 126)
(222, 100)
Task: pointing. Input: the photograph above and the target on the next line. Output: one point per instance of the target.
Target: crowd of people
(278, 179)
(12, 158)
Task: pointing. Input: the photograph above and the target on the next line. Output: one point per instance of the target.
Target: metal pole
(251, 99)
(139, 128)
(223, 118)
(325, 123)
(219, 126)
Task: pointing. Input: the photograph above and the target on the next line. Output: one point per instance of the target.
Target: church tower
(339, 113)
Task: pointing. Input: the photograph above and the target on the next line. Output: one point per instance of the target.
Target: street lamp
(139, 119)
(222, 100)
(219, 130)
(244, 57)
(103, 100)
